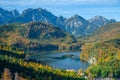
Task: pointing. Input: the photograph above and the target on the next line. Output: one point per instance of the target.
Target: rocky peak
(76, 25)
(61, 18)
(76, 18)
(36, 15)
(15, 13)
(6, 15)
(99, 21)
(112, 20)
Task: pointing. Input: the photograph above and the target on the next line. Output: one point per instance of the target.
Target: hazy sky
(67, 8)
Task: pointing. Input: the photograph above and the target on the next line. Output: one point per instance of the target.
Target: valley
(37, 45)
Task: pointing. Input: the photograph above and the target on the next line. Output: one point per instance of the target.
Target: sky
(67, 8)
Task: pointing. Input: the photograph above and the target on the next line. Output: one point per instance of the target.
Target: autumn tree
(6, 74)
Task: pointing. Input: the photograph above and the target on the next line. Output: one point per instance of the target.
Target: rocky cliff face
(100, 21)
(78, 26)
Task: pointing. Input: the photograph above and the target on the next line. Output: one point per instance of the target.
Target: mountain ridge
(75, 25)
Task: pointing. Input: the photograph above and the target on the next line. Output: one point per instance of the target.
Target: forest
(16, 65)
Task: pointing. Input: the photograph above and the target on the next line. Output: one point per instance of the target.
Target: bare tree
(16, 76)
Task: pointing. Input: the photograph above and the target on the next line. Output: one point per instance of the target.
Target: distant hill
(37, 36)
(106, 32)
(75, 25)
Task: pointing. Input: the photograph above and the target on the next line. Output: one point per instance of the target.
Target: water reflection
(63, 60)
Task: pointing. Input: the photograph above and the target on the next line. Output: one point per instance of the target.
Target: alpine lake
(61, 60)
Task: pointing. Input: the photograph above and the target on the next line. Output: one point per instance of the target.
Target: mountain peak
(76, 25)
(15, 10)
(99, 20)
(61, 17)
(1, 8)
(112, 20)
(15, 13)
(28, 9)
(99, 17)
(40, 9)
(35, 10)
(6, 15)
(77, 16)
(37, 14)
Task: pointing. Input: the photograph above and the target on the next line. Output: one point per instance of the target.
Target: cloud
(60, 11)
(15, 2)
(56, 2)
(65, 2)
(67, 7)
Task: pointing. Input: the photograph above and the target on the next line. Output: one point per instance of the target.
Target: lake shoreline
(61, 60)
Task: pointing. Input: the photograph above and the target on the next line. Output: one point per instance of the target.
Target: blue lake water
(62, 60)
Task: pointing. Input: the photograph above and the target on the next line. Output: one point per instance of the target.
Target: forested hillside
(102, 51)
(37, 36)
(13, 64)
(107, 32)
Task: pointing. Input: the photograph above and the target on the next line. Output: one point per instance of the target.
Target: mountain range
(38, 30)
(75, 25)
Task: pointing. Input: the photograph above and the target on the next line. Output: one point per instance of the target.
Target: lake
(62, 60)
